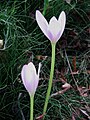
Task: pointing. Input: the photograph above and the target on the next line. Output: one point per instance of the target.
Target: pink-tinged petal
(30, 78)
(54, 26)
(62, 22)
(53, 29)
(42, 23)
(32, 68)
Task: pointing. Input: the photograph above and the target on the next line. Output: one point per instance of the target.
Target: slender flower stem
(31, 107)
(46, 2)
(51, 78)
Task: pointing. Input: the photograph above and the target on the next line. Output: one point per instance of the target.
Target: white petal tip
(40, 65)
(63, 14)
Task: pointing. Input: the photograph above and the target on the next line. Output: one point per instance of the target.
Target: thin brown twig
(71, 71)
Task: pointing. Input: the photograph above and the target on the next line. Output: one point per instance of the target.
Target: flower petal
(30, 78)
(32, 68)
(62, 22)
(54, 28)
(39, 68)
(42, 23)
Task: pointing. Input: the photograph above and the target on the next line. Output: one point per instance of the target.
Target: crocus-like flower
(30, 78)
(54, 29)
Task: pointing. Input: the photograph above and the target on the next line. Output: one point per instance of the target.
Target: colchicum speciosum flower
(30, 78)
(54, 29)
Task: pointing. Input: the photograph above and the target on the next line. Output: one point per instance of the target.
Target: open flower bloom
(30, 78)
(54, 29)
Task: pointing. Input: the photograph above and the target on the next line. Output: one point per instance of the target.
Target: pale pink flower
(30, 78)
(54, 29)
